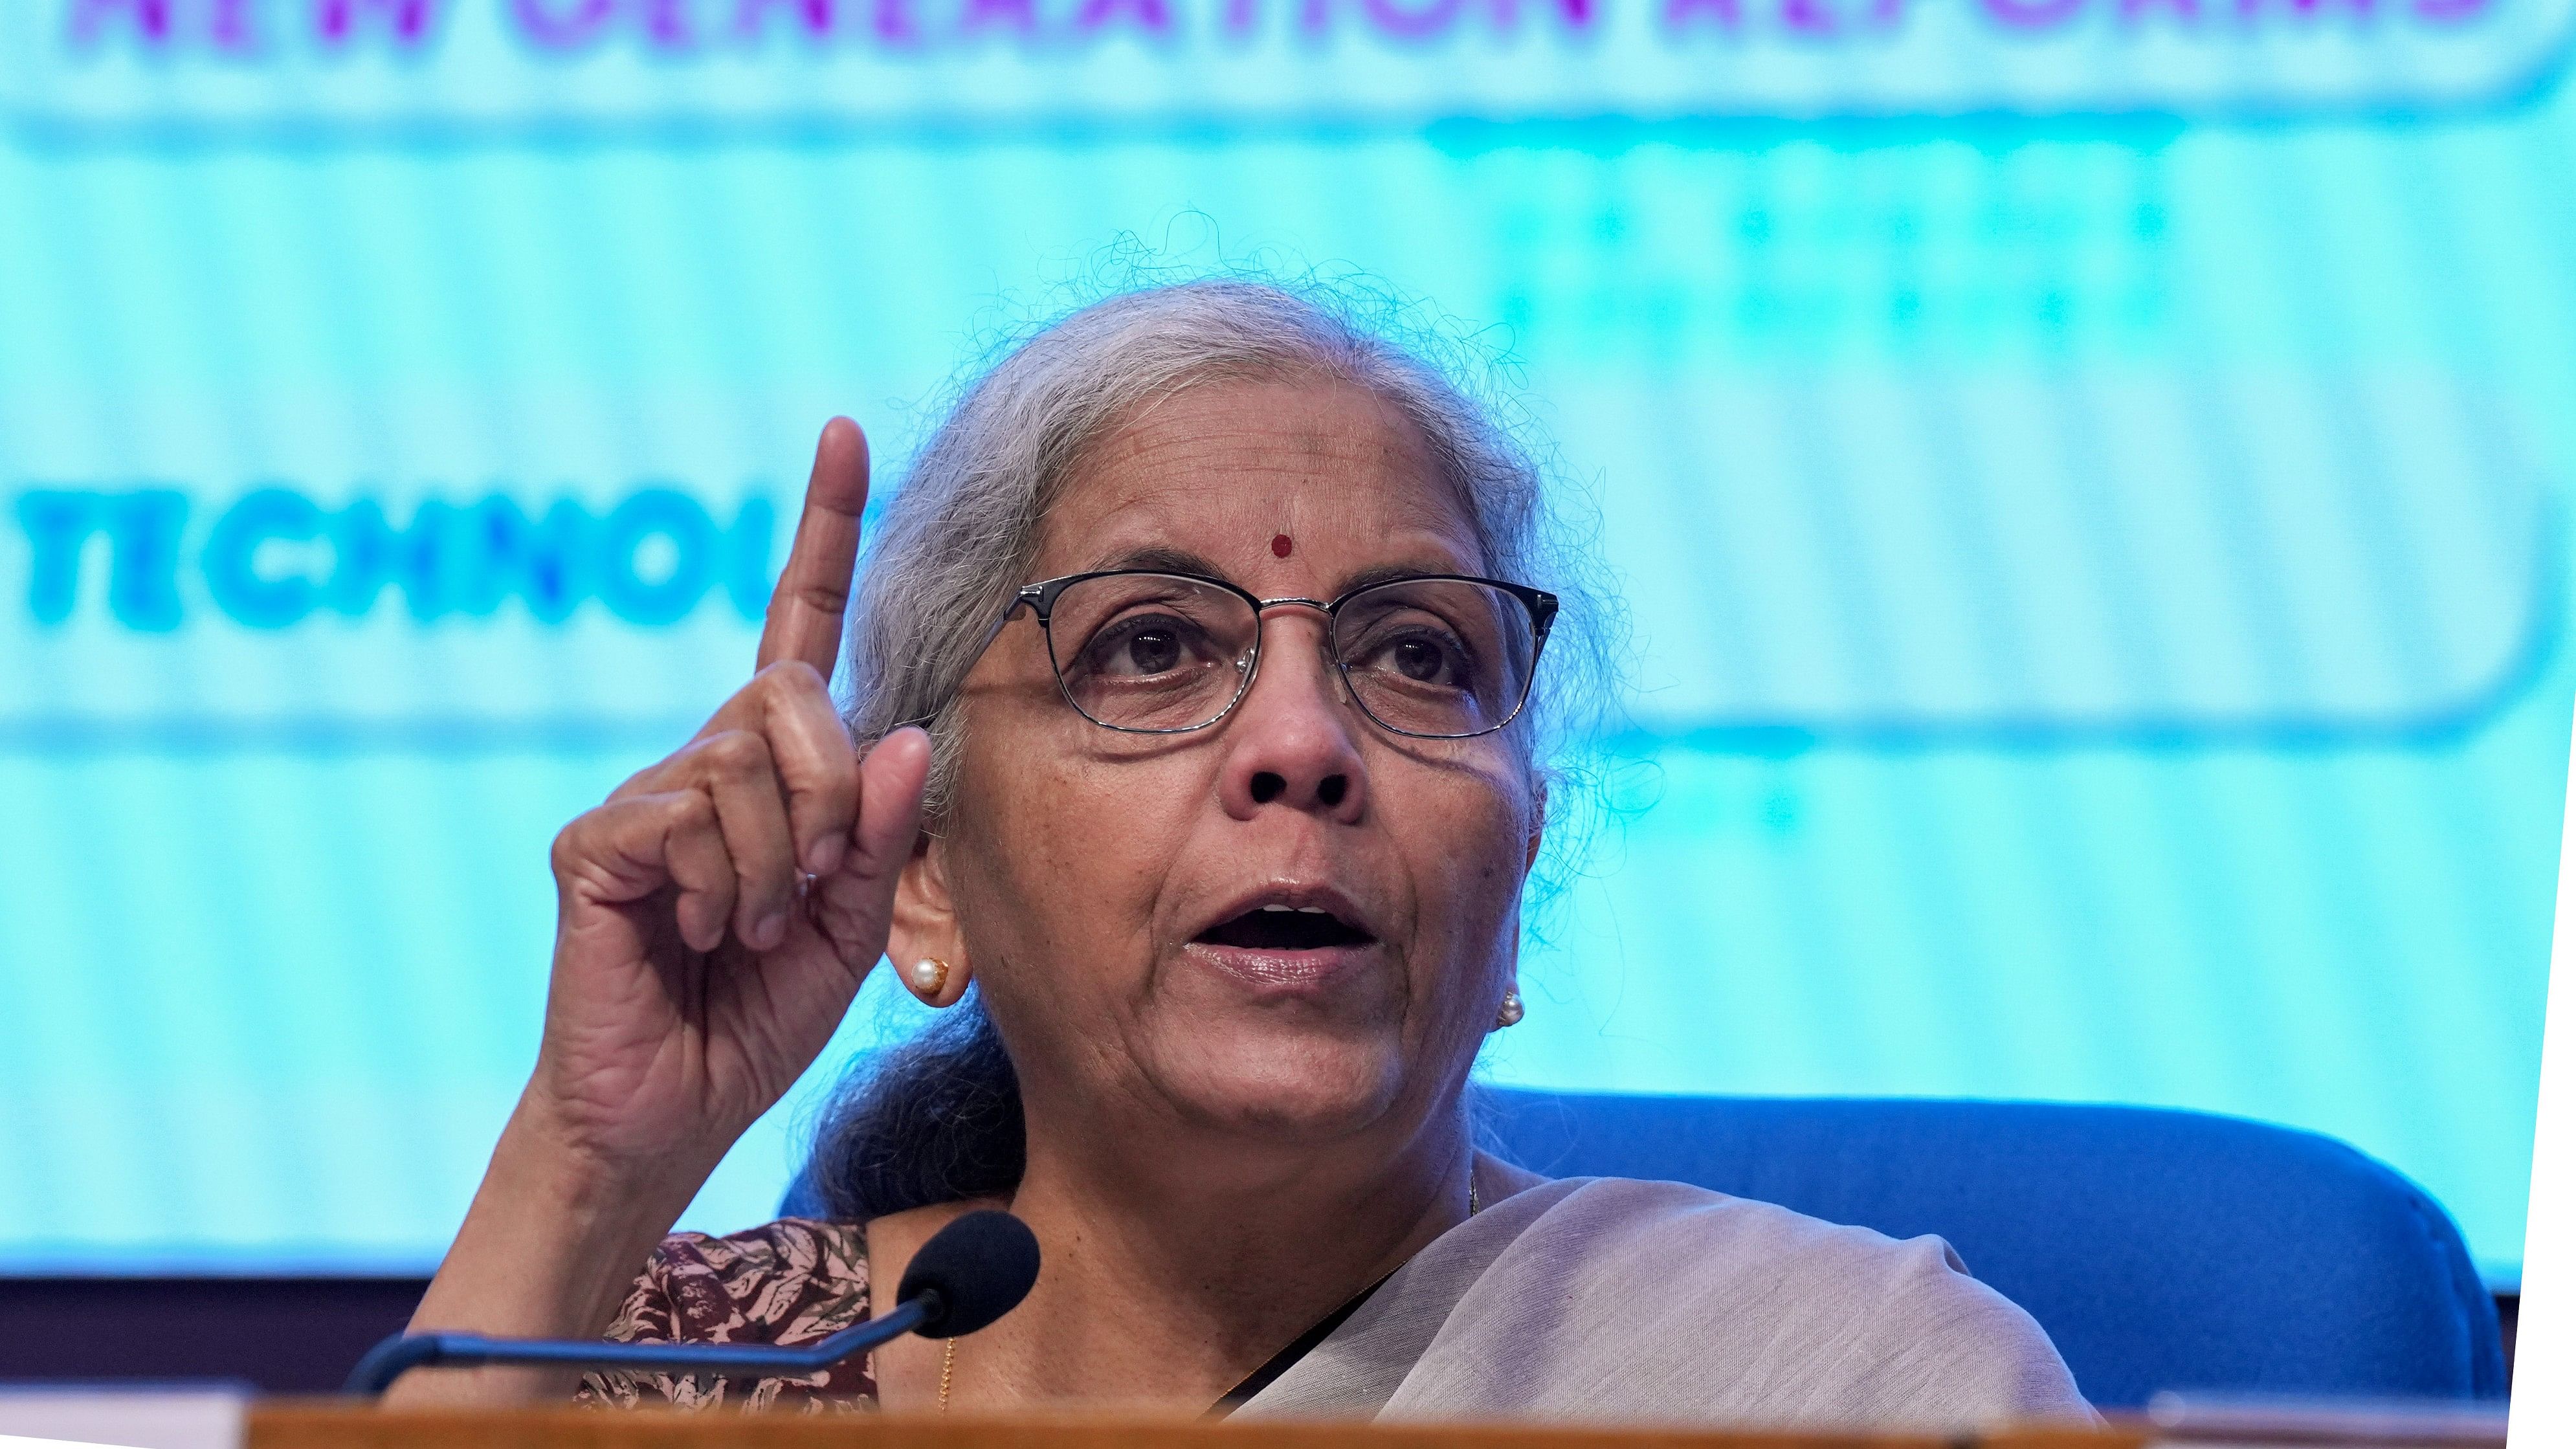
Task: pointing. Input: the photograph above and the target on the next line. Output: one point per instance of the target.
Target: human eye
(1416, 648)
(1146, 644)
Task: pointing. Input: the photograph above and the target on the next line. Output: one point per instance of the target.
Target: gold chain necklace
(948, 1355)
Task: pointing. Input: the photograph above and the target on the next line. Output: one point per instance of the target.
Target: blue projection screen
(2088, 479)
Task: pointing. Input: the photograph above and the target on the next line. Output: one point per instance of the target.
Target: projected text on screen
(910, 65)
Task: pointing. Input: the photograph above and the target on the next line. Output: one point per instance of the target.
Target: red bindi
(1280, 546)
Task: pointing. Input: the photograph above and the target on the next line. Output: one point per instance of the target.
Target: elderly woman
(1191, 723)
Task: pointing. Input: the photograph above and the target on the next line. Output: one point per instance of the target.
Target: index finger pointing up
(813, 591)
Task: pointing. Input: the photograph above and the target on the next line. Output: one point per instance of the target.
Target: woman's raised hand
(718, 912)
(716, 916)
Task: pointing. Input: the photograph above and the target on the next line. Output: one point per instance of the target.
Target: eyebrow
(1389, 573)
(1163, 558)
(1159, 558)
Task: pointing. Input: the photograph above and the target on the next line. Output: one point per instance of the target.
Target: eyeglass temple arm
(1032, 597)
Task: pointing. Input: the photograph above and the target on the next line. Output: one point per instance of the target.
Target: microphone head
(981, 1266)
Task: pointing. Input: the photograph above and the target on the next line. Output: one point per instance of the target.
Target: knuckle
(821, 595)
(565, 854)
(788, 677)
(689, 825)
(736, 752)
(694, 812)
(581, 839)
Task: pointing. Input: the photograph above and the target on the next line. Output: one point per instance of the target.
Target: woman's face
(1105, 889)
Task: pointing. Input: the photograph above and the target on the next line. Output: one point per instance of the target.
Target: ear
(925, 922)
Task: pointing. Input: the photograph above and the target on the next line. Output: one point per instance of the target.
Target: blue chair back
(2160, 1249)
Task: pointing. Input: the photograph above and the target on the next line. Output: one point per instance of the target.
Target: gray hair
(962, 530)
(953, 547)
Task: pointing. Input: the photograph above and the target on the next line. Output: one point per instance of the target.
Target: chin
(1298, 1086)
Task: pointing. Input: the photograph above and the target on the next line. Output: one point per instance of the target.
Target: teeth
(1272, 909)
(1300, 910)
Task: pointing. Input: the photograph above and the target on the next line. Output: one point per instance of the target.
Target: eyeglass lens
(1159, 652)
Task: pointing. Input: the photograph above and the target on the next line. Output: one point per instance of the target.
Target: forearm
(549, 1249)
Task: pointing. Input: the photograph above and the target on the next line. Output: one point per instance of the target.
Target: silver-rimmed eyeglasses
(1433, 656)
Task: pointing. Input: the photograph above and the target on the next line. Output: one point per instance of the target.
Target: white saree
(1607, 1300)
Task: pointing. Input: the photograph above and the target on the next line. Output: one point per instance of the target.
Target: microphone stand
(402, 1353)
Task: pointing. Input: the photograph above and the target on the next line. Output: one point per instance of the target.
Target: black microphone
(971, 1272)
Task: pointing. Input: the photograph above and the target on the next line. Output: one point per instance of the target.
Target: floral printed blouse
(789, 1282)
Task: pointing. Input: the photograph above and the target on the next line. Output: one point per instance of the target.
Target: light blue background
(2097, 582)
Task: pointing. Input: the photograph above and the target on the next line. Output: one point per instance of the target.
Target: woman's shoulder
(788, 1282)
(774, 1283)
(1613, 1214)
(1833, 1322)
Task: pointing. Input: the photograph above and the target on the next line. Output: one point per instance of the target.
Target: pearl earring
(1510, 1012)
(927, 977)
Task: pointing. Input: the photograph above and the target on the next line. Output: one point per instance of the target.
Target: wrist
(554, 1238)
(545, 1158)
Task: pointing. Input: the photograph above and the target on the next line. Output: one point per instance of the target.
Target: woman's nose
(1293, 741)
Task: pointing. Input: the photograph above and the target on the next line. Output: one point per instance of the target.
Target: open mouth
(1285, 928)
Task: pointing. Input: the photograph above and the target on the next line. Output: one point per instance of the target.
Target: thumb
(891, 781)
(854, 905)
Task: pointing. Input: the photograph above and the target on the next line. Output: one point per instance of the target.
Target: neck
(1174, 1268)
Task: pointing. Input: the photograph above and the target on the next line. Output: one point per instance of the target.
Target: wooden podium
(316, 1425)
